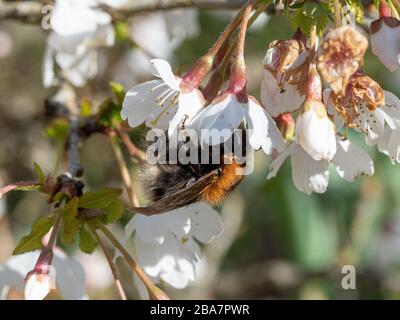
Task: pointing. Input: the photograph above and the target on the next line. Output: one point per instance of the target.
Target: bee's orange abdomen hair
(216, 191)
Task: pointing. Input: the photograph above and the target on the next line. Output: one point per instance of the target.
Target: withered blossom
(363, 95)
(340, 55)
(285, 76)
(283, 56)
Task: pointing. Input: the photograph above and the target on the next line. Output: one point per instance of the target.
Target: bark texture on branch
(31, 11)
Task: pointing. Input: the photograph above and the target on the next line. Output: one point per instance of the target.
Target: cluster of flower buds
(172, 103)
(338, 96)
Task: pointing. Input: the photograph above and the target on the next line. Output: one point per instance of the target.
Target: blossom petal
(308, 174)
(37, 287)
(330, 108)
(206, 223)
(220, 119)
(263, 131)
(280, 159)
(385, 45)
(391, 110)
(172, 261)
(189, 105)
(393, 146)
(140, 105)
(315, 132)
(153, 229)
(351, 161)
(162, 69)
(276, 100)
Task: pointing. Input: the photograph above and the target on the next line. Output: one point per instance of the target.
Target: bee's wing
(179, 199)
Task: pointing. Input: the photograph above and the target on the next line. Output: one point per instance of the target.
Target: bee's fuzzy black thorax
(160, 180)
(171, 184)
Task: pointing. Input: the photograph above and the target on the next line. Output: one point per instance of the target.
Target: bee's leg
(182, 127)
(191, 182)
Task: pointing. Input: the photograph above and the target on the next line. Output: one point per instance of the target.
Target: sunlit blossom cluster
(313, 94)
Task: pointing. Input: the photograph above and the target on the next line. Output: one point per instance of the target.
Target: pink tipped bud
(384, 9)
(286, 125)
(38, 285)
(194, 76)
(314, 85)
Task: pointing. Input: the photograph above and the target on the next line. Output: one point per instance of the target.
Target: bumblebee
(171, 186)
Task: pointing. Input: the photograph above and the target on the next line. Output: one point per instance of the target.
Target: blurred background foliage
(278, 242)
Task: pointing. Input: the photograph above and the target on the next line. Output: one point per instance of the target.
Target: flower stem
(228, 30)
(112, 265)
(219, 73)
(313, 38)
(394, 9)
(396, 6)
(338, 13)
(238, 77)
(134, 151)
(46, 255)
(154, 292)
(384, 9)
(204, 64)
(133, 199)
(54, 231)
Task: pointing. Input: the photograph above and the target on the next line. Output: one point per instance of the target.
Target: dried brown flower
(340, 56)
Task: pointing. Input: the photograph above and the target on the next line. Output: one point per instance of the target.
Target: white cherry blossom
(161, 103)
(69, 276)
(385, 41)
(277, 100)
(310, 175)
(166, 244)
(158, 35)
(227, 112)
(315, 132)
(79, 28)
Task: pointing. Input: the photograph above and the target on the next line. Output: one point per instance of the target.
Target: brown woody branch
(31, 11)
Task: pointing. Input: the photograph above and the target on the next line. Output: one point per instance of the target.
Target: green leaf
(70, 223)
(58, 129)
(122, 31)
(86, 108)
(357, 9)
(21, 186)
(87, 243)
(110, 113)
(99, 199)
(33, 241)
(114, 211)
(39, 172)
(119, 91)
(311, 14)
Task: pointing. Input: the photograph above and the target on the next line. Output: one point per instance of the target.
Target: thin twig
(111, 263)
(74, 165)
(154, 292)
(133, 150)
(31, 11)
(338, 13)
(126, 177)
